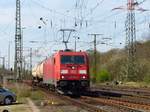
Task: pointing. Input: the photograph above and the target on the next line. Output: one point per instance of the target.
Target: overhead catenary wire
(59, 13)
(93, 20)
(67, 15)
(107, 17)
(33, 15)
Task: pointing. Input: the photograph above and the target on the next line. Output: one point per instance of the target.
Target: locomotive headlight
(64, 71)
(62, 77)
(82, 72)
(83, 77)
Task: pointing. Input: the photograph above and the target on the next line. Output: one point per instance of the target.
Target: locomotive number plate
(73, 71)
(73, 76)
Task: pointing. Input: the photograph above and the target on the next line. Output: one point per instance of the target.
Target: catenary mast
(18, 43)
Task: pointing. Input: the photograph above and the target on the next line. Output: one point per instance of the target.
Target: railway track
(122, 104)
(139, 100)
(127, 90)
(74, 101)
(97, 104)
(123, 92)
(100, 104)
(94, 104)
(134, 100)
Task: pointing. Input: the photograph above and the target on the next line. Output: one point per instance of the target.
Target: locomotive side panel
(57, 67)
(49, 72)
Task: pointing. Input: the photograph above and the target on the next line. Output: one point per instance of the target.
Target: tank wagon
(37, 73)
(66, 71)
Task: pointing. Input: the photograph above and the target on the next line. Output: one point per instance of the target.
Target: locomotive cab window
(72, 60)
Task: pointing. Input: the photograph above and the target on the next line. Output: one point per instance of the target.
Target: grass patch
(23, 91)
(136, 84)
(37, 95)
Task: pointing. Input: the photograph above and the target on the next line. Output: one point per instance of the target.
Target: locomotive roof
(61, 52)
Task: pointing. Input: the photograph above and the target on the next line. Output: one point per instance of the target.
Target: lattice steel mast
(130, 27)
(131, 39)
(18, 43)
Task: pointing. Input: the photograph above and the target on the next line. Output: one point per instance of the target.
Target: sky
(90, 16)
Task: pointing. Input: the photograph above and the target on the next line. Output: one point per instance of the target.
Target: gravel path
(32, 106)
(16, 108)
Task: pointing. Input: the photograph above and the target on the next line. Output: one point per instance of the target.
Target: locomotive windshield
(72, 60)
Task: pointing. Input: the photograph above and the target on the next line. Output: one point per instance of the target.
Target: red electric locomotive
(66, 71)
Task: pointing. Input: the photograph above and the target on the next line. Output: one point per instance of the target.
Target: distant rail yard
(74, 56)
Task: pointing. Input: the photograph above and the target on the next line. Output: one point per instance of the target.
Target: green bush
(103, 76)
(92, 75)
(147, 78)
